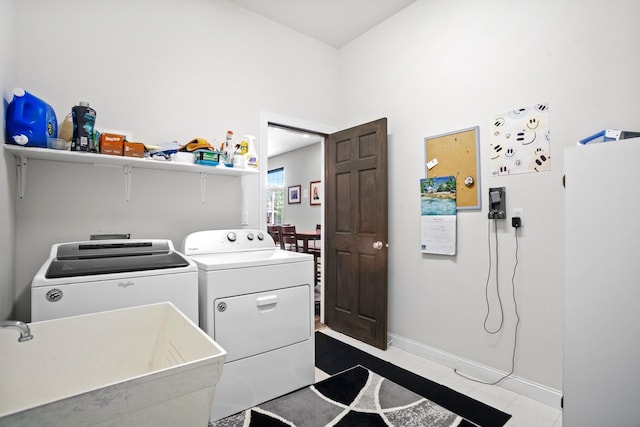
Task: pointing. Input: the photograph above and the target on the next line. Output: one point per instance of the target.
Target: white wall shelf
(127, 164)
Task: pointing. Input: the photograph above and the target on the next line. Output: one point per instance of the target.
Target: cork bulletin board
(456, 154)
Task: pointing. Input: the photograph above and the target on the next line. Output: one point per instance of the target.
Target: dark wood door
(356, 232)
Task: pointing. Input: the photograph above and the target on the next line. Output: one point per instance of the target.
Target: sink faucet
(25, 332)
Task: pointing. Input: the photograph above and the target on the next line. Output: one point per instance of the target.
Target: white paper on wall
(438, 215)
(520, 141)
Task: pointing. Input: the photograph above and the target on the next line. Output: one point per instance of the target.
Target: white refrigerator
(601, 374)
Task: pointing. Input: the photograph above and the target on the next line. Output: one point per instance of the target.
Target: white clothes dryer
(256, 301)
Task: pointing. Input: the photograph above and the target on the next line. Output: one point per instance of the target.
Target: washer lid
(230, 260)
(124, 264)
(112, 256)
(111, 248)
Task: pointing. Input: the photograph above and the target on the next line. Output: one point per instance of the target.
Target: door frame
(295, 123)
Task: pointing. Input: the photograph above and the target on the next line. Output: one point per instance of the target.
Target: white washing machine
(99, 275)
(256, 301)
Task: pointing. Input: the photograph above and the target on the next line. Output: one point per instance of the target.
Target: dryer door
(251, 324)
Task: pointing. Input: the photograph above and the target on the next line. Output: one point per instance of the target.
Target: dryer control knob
(231, 236)
(250, 236)
(260, 236)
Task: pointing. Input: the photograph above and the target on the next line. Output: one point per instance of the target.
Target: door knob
(377, 245)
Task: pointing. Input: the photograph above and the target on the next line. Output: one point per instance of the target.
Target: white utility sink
(140, 366)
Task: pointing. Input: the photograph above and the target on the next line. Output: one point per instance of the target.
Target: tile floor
(525, 412)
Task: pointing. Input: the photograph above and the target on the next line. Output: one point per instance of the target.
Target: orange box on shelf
(133, 149)
(110, 143)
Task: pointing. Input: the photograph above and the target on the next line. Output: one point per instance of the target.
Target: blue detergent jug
(30, 120)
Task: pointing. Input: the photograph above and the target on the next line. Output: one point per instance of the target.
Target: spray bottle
(251, 156)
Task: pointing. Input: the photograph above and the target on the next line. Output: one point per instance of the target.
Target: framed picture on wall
(294, 194)
(315, 193)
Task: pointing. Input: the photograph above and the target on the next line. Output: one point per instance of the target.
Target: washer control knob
(231, 236)
(250, 236)
(260, 236)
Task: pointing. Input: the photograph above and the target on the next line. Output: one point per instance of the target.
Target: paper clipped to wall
(438, 215)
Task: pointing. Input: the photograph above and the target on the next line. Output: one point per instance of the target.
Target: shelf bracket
(128, 174)
(203, 187)
(22, 175)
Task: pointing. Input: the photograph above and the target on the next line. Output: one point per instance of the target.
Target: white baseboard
(533, 390)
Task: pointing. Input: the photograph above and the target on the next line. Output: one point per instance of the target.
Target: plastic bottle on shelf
(84, 119)
(228, 148)
(66, 129)
(244, 146)
(251, 156)
(29, 120)
(239, 160)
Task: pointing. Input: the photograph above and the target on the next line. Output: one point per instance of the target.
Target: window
(275, 196)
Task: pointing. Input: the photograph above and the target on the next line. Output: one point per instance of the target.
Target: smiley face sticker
(520, 140)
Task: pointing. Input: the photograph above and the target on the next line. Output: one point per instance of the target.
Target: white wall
(442, 66)
(8, 60)
(301, 167)
(175, 70)
(164, 71)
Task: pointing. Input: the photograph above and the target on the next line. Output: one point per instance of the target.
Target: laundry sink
(141, 366)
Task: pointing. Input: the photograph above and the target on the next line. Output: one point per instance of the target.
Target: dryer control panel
(218, 241)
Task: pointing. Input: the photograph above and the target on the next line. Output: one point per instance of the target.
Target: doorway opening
(294, 197)
(287, 139)
(354, 293)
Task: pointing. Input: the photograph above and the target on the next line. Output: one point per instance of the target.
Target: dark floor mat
(333, 356)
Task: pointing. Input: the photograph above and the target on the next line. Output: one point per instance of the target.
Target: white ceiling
(333, 22)
(284, 140)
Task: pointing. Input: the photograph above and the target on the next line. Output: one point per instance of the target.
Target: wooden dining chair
(317, 268)
(314, 245)
(274, 232)
(289, 238)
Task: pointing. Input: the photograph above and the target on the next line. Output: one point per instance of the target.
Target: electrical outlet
(518, 213)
